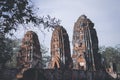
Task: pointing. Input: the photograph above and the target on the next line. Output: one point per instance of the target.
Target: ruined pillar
(60, 49)
(29, 55)
(85, 45)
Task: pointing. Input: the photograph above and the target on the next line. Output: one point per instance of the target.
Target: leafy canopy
(15, 12)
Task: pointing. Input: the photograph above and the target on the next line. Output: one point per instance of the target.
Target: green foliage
(15, 12)
(45, 57)
(13, 61)
(111, 54)
(5, 49)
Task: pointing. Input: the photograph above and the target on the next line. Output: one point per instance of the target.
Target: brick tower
(60, 49)
(85, 45)
(29, 55)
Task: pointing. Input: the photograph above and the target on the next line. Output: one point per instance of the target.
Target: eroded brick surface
(85, 45)
(29, 55)
(60, 49)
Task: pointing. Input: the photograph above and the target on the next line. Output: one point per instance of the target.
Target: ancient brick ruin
(60, 49)
(84, 64)
(85, 45)
(29, 55)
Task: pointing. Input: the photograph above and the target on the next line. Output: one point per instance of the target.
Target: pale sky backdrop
(105, 14)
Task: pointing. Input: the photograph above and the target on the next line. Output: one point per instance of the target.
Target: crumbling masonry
(85, 45)
(84, 64)
(29, 55)
(60, 49)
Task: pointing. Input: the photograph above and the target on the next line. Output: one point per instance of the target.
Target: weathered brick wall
(58, 74)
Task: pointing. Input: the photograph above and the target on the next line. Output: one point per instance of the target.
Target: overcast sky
(105, 14)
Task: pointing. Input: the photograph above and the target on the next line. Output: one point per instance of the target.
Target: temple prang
(29, 55)
(60, 49)
(85, 45)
